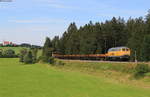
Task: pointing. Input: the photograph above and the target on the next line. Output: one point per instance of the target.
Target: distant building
(8, 43)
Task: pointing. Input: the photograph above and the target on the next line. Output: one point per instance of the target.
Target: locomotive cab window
(123, 49)
(127, 49)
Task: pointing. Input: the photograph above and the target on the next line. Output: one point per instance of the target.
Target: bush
(61, 63)
(22, 54)
(39, 59)
(1, 52)
(28, 58)
(9, 53)
(44, 59)
(141, 69)
(51, 60)
(58, 63)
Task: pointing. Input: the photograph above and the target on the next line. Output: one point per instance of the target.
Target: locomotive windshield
(118, 49)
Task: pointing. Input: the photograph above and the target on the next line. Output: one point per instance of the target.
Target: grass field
(41, 80)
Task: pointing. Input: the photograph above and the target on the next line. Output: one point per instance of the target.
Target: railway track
(101, 61)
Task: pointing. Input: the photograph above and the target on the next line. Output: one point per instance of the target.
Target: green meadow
(42, 80)
(16, 49)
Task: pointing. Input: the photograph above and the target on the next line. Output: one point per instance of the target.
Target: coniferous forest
(97, 38)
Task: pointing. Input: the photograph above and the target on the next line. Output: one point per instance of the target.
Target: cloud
(7, 5)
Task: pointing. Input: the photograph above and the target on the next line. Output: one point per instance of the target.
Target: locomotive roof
(116, 48)
(120, 47)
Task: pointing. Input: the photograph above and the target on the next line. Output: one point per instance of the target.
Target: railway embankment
(121, 72)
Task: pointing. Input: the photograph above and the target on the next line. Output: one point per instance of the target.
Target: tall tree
(148, 22)
(47, 50)
(145, 50)
(56, 44)
(63, 40)
(72, 43)
(137, 34)
(34, 54)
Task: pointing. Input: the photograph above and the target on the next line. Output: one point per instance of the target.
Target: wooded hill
(97, 38)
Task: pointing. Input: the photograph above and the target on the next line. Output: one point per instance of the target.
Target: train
(113, 54)
(119, 53)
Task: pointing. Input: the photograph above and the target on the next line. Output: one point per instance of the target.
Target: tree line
(27, 45)
(97, 38)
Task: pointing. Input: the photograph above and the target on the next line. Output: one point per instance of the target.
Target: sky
(30, 21)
